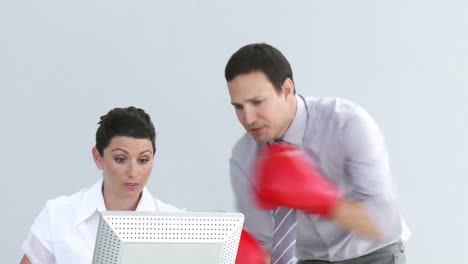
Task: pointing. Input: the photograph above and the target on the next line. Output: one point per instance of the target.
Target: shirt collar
(147, 202)
(92, 201)
(296, 131)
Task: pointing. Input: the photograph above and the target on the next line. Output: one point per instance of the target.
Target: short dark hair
(130, 121)
(259, 57)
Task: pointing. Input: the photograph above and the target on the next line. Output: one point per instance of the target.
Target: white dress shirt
(65, 231)
(345, 143)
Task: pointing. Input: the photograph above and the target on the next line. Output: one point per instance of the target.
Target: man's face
(261, 110)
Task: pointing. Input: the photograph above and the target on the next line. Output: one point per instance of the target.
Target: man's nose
(250, 116)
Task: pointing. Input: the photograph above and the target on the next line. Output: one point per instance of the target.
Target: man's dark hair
(259, 57)
(130, 122)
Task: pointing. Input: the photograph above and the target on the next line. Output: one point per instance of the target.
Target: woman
(65, 230)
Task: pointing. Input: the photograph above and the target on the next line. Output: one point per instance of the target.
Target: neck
(116, 203)
(292, 110)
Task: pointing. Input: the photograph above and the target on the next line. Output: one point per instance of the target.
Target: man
(343, 142)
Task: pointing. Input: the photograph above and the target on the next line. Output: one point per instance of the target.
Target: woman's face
(126, 165)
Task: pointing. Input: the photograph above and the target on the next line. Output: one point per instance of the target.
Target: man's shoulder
(244, 147)
(334, 109)
(335, 105)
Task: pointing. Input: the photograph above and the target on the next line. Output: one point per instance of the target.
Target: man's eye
(119, 160)
(258, 102)
(238, 107)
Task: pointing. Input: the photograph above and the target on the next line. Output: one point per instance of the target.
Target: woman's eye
(119, 160)
(144, 161)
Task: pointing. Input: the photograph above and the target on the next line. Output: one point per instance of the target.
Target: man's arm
(286, 177)
(257, 222)
(366, 164)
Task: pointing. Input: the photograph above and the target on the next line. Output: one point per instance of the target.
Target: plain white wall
(65, 63)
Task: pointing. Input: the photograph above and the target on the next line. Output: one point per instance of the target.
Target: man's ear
(288, 87)
(97, 158)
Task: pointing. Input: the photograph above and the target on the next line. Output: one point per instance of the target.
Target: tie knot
(276, 141)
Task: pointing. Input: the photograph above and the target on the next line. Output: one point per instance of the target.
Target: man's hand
(287, 178)
(250, 251)
(268, 258)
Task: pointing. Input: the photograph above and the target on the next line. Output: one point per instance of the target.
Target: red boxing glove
(286, 178)
(249, 251)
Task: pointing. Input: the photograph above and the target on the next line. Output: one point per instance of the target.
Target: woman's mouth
(131, 186)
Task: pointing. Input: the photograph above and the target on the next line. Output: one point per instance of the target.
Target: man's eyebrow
(255, 98)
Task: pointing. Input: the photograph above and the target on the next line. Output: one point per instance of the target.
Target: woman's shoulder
(56, 217)
(61, 210)
(66, 202)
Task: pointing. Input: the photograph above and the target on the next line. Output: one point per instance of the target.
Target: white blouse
(65, 230)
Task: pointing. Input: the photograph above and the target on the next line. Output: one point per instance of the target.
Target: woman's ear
(97, 158)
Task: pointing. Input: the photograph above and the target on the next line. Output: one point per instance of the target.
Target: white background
(65, 63)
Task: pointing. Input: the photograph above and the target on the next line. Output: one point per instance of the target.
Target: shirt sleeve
(367, 165)
(38, 244)
(257, 222)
